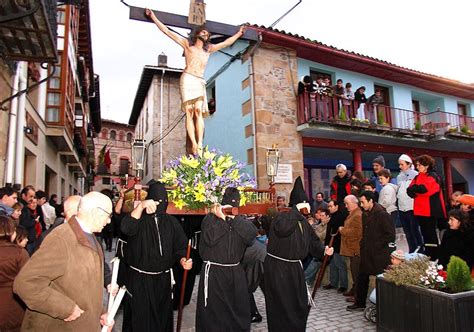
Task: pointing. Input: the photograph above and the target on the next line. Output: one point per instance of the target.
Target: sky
(434, 37)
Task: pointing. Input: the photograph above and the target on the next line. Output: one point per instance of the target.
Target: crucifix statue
(192, 84)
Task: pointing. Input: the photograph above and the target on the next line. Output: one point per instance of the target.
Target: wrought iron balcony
(28, 30)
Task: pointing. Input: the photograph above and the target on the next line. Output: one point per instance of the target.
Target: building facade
(117, 139)
(257, 105)
(51, 125)
(158, 119)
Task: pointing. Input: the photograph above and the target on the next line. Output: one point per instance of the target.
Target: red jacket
(336, 182)
(426, 190)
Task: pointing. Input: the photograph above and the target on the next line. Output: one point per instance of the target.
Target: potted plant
(418, 295)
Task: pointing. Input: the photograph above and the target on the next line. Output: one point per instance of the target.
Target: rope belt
(157, 273)
(206, 276)
(121, 246)
(310, 298)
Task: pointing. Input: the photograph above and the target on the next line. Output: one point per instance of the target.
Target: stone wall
(174, 144)
(275, 70)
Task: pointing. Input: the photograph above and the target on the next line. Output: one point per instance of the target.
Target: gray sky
(434, 36)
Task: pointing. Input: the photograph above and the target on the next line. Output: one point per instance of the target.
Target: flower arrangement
(199, 181)
(419, 272)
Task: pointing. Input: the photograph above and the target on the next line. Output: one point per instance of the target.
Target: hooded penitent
(298, 195)
(231, 197)
(158, 193)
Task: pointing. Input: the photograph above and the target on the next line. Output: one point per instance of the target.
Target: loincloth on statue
(192, 89)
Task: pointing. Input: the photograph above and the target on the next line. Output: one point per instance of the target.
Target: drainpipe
(12, 128)
(161, 120)
(252, 106)
(20, 136)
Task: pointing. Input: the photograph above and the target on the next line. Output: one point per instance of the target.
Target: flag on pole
(102, 155)
(107, 160)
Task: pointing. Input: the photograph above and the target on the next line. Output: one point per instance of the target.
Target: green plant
(465, 129)
(418, 125)
(381, 118)
(342, 114)
(409, 272)
(459, 275)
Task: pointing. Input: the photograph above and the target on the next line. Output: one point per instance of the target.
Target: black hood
(158, 193)
(298, 195)
(231, 197)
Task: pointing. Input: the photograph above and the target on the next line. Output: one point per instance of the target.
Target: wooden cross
(180, 21)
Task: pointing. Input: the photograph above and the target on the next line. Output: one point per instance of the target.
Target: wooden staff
(317, 283)
(183, 288)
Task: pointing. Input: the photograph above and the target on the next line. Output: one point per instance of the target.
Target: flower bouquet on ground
(198, 182)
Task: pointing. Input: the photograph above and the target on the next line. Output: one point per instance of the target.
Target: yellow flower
(218, 171)
(191, 162)
(179, 203)
(208, 155)
(243, 199)
(235, 174)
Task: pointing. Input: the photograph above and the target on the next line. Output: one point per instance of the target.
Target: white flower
(440, 267)
(439, 279)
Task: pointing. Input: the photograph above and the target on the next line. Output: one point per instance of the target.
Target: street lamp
(138, 159)
(273, 157)
(138, 155)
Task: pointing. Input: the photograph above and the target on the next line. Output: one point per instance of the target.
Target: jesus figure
(192, 84)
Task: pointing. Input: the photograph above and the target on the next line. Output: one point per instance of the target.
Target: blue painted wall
(225, 129)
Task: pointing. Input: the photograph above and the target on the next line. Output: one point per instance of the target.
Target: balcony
(330, 117)
(28, 30)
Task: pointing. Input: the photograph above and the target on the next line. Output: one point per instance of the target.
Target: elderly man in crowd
(62, 283)
(340, 185)
(351, 234)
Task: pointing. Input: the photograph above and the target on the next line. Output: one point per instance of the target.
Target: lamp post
(273, 158)
(138, 159)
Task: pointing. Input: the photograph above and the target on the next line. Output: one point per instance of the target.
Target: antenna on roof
(281, 17)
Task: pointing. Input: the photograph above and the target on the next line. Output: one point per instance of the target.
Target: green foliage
(459, 275)
(418, 125)
(408, 272)
(381, 117)
(465, 129)
(342, 114)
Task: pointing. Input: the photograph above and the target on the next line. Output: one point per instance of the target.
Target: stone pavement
(330, 313)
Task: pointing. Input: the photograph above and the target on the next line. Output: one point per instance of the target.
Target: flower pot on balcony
(413, 308)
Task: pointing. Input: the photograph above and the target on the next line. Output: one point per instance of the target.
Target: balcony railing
(317, 108)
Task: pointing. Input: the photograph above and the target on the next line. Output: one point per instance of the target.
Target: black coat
(377, 232)
(228, 306)
(456, 243)
(337, 220)
(27, 221)
(153, 245)
(286, 296)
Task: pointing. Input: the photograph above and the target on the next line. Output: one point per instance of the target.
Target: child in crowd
(21, 236)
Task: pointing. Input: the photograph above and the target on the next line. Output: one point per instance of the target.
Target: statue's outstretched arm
(179, 40)
(229, 41)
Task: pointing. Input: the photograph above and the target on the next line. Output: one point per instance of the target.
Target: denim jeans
(412, 230)
(311, 271)
(338, 271)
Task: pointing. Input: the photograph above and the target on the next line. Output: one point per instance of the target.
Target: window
(113, 135)
(462, 111)
(52, 114)
(385, 93)
(129, 137)
(54, 99)
(315, 74)
(123, 169)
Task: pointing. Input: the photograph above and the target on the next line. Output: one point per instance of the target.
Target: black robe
(150, 308)
(286, 295)
(224, 242)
